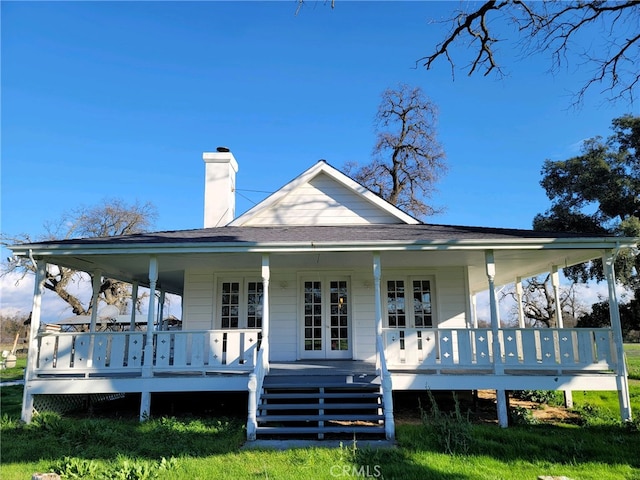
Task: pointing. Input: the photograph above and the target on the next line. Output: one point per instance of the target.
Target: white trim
(243, 299)
(325, 277)
(305, 177)
(408, 277)
(73, 250)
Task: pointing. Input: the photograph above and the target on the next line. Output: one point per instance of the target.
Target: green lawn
(632, 352)
(211, 448)
(204, 448)
(17, 372)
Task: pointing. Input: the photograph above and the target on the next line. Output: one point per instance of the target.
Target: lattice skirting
(67, 403)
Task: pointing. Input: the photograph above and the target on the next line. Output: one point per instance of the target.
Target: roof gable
(322, 195)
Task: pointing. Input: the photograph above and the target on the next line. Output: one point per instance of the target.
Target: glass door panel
(339, 321)
(326, 319)
(312, 317)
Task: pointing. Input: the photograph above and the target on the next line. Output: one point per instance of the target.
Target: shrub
(47, 421)
(522, 416)
(593, 415)
(71, 467)
(452, 431)
(537, 396)
(124, 469)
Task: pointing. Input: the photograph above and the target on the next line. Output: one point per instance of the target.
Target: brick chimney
(219, 187)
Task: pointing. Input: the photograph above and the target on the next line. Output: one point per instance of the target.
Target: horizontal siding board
(322, 201)
(198, 300)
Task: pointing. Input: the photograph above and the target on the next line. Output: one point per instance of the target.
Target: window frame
(409, 313)
(243, 301)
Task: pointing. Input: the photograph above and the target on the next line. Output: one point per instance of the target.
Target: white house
(320, 302)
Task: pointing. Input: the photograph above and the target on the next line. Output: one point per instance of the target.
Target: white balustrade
(121, 352)
(521, 348)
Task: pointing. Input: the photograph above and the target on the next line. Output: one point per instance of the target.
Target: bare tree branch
(407, 158)
(555, 27)
(112, 217)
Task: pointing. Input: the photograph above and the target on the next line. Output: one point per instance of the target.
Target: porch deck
(420, 378)
(308, 368)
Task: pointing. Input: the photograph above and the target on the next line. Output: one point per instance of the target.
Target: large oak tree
(599, 192)
(407, 158)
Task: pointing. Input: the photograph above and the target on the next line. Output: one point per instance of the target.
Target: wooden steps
(299, 407)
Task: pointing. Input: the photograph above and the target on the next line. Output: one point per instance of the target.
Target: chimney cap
(222, 149)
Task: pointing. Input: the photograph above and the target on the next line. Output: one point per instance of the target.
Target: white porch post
(134, 302)
(387, 383)
(161, 320)
(96, 281)
(32, 353)
(474, 309)
(377, 299)
(145, 396)
(621, 374)
(555, 283)
(252, 410)
(519, 294)
(266, 276)
(498, 369)
(254, 386)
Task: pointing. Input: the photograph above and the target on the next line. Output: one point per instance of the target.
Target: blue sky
(120, 99)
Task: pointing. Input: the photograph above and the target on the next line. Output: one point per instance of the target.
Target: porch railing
(386, 387)
(123, 352)
(525, 348)
(256, 380)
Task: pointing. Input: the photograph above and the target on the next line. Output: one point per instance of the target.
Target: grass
(17, 372)
(190, 448)
(199, 448)
(602, 407)
(632, 352)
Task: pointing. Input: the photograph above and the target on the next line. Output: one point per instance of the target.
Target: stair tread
(317, 406)
(315, 418)
(331, 429)
(321, 395)
(313, 385)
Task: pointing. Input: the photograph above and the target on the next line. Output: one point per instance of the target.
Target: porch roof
(518, 252)
(293, 234)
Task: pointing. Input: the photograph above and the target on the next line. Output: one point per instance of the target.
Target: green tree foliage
(629, 318)
(598, 192)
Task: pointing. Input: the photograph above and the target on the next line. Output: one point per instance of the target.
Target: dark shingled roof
(350, 234)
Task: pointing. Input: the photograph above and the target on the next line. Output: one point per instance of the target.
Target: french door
(326, 319)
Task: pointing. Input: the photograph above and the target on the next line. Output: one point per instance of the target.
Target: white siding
(284, 319)
(322, 201)
(198, 300)
(451, 297)
(363, 317)
(450, 303)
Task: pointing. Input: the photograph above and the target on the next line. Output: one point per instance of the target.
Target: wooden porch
(322, 397)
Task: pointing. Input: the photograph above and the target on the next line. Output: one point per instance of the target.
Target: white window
(240, 303)
(410, 302)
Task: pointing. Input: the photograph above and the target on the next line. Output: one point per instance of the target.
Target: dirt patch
(481, 406)
(540, 411)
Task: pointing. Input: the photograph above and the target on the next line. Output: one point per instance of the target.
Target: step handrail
(256, 380)
(387, 390)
